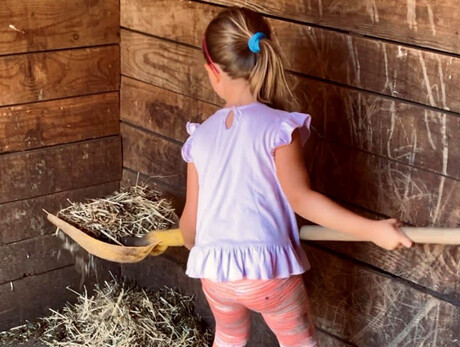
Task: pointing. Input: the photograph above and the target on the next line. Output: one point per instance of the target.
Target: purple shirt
(245, 225)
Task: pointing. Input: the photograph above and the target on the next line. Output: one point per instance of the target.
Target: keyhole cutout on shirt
(229, 120)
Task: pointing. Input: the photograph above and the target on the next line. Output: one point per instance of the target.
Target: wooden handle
(447, 236)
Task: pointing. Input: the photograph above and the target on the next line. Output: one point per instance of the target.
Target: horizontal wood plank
(165, 64)
(415, 196)
(160, 110)
(48, 24)
(409, 73)
(49, 75)
(152, 155)
(369, 309)
(32, 297)
(25, 219)
(420, 23)
(30, 257)
(404, 132)
(49, 170)
(432, 266)
(59, 121)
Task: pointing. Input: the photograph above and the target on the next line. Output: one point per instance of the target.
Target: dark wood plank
(407, 133)
(54, 169)
(159, 110)
(432, 266)
(59, 121)
(58, 74)
(426, 24)
(25, 219)
(152, 155)
(369, 309)
(165, 64)
(416, 196)
(33, 296)
(408, 73)
(33, 256)
(48, 24)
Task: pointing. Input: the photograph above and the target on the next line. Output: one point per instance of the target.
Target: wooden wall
(59, 138)
(380, 79)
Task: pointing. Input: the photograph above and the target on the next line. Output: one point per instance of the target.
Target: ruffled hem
(291, 122)
(263, 262)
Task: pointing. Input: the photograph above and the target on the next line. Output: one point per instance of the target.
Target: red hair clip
(208, 57)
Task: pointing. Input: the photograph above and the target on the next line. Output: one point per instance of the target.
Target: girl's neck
(239, 94)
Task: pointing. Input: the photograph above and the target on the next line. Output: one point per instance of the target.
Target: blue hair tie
(253, 42)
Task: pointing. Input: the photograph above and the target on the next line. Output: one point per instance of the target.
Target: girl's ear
(213, 76)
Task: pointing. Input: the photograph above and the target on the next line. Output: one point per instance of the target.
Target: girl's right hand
(388, 235)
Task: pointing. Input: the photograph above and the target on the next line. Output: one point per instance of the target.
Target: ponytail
(268, 79)
(226, 39)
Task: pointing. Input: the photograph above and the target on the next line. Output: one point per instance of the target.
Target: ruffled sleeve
(291, 122)
(187, 147)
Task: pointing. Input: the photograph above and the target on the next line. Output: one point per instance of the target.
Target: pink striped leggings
(282, 302)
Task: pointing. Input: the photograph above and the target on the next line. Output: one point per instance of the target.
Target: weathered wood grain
(409, 73)
(416, 196)
(25, 219)
(159, 110)
(165, 64)
(152, 155)
(42, 76)
(59, 121)
(369, 309)
(404, 132)
(49, 170)
(422, 23)
(33, 256)
(183, 21)
(32, 297)
(48, 24)
(436, 267)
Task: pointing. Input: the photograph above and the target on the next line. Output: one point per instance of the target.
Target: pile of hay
(133, 211)
(122, 315)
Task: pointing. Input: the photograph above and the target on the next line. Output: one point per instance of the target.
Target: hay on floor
(121, 315)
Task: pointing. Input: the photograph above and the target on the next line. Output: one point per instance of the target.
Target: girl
(245, 180)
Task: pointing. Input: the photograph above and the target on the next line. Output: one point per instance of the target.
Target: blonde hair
(226, 39)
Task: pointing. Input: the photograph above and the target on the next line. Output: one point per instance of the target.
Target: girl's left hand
(386, 234)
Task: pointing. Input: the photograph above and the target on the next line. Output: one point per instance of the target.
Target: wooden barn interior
(95, 95)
